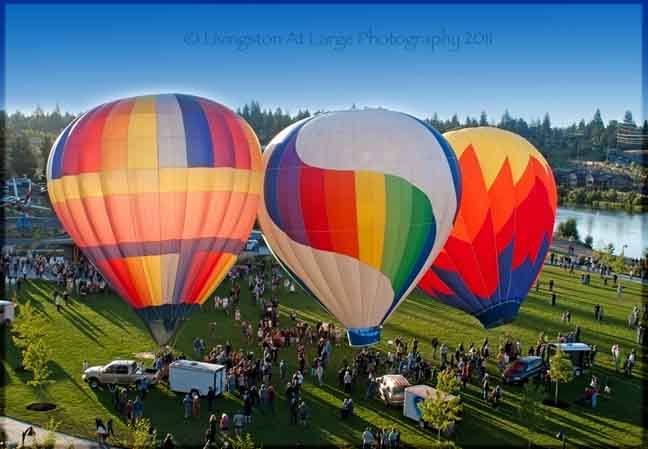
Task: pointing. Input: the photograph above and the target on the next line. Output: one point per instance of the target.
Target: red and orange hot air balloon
(160, 193)
(503, 229)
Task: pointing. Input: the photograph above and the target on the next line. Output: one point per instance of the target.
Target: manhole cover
(41, 406)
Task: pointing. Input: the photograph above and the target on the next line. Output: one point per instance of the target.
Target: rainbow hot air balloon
(160, 193)
(356, 205)
(503, 229)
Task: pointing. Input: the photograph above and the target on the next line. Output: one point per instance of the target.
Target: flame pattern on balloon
(160, 193)
(351, 211)
(503, 229)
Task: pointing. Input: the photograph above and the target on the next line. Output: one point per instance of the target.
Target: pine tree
(22, 159)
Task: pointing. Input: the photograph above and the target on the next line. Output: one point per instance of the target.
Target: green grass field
(102, 328)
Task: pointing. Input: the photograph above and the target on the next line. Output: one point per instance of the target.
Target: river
(616, 227)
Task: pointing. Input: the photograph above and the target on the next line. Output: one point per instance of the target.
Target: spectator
(239, 419)
(187, 403)
(138, 409)
(271, 398)
(224, 423)
(367, 439)
(195, 406)
(211, 396)
(168, 442)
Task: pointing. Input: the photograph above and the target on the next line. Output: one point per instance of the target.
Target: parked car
(391, 389)
(119, 372)
(7, 312)
(523, 369)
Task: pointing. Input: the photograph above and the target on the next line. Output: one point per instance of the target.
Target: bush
(568, 229)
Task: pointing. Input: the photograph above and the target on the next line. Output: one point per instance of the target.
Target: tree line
(28, 138)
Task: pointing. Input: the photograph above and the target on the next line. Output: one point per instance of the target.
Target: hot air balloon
(356, 205)
(503, 229)
(160, 193)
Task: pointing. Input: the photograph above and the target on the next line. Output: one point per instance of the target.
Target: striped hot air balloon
(356, 205)
(504, 226)
(160, 193)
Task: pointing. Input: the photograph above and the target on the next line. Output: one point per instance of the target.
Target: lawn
(101, 328)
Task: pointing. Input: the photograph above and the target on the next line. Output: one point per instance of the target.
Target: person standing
(347, 382)
(195, 406)
(485, 387)
(187, 403)
(224, 424)
(283, 370)
(616, 352)
(435, 345)
(211, 396)
(367, 439)
(58, 301)
(271, 399)
(293, 410)
(319, 371)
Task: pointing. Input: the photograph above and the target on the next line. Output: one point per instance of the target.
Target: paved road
(14, 429)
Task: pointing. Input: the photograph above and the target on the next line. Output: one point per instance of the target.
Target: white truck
(188, 376)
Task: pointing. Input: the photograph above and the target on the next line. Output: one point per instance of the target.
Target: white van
(7, 312)
(188, 376)
(579, 353)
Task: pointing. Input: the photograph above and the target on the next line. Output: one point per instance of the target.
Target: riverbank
(606, 206)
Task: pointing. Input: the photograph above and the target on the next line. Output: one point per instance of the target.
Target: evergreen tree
(483, 119)
(21, 157)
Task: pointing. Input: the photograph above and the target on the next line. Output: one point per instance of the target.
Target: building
(631, 137)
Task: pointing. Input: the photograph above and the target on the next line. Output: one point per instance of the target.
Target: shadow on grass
(84, 325)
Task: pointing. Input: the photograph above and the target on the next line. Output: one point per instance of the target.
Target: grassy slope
(101, 328)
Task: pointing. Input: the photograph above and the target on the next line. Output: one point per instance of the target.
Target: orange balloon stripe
(339, 186)
(476, 205)
(140, 217)
(114, 154)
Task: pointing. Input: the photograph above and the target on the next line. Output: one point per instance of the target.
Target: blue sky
(563, 59)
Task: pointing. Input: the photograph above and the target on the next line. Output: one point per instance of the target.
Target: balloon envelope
(504, 226)
(160, 193)
(356, 205)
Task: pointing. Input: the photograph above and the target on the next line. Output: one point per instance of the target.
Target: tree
(530, 410)
(28, 326)
(140, 436)
(568, 228)
(23, 161)
(244, 442)
(440, 411)
(561, 369)
(483, 119)
(589, 241)
(36, 357)
(447, 381)
(44, 150)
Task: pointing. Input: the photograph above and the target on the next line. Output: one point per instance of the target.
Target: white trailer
(188, 376)
(416, 394)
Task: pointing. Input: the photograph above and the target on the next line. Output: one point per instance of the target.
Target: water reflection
(618, 228)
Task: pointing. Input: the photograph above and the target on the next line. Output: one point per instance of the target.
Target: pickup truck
(119, 372)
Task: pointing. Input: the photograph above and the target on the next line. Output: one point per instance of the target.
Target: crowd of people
(255, 376)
